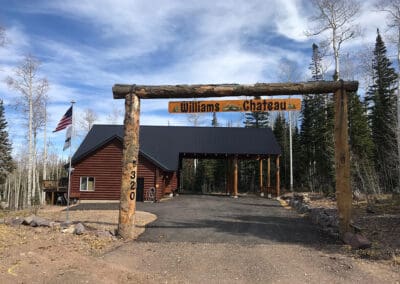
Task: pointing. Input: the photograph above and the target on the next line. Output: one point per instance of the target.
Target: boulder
(40, 222)
(114, 232)
(304, 208)
(79, 229)
(68, 230)
(16, 221)
(36, 221)
(28, 220)
(356, 241)
(54, 225)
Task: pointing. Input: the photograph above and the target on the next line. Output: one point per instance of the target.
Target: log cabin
(97, 163)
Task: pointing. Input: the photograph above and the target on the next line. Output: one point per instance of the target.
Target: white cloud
(164, 42)
(291, 19)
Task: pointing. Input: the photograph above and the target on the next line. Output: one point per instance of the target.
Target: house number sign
(133, 181)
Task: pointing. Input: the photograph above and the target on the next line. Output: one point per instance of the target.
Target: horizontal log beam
(225, 90)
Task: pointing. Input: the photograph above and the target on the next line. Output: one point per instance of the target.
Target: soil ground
(259, 247)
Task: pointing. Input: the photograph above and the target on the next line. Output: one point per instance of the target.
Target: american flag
(65, 120)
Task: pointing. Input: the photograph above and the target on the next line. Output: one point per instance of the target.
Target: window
(87, 184)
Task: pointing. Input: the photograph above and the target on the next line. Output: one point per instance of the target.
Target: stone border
(326, 218)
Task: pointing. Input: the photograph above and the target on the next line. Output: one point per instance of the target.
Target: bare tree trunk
(335, 55)
(18, 190)
(397, 189)
(30, 142)
(34, 177)
(44, 148)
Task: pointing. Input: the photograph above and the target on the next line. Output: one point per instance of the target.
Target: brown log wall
(171, 182)
(105, 165)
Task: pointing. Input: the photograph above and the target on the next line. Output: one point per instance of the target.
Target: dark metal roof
(164, 144)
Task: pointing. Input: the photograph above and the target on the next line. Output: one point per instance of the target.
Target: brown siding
(105, 165)
(171, 182)
(147, 170)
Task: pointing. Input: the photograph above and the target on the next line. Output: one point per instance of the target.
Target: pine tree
(6, 162)
(363, 173)
(382, 105)
(316, 133)
(281, 130)
(256, 119)
(361, 143)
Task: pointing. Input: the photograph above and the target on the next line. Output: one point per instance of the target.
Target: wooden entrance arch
(134, 93)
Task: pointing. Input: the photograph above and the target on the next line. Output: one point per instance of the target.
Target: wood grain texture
(120, 91)
(130, 161)
(342, 163)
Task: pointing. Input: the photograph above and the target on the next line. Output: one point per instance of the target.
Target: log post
(342, 162)
(228, 176)
(269, 172)
(278, 178)
(260, 166)
(235, 177)
(129, 167)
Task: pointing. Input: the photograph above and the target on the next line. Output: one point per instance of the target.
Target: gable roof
(163, 144)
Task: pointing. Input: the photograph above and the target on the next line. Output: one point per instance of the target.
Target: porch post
(342, 162)
(260, 166)
(235, 177)
(269, 172)
(130, 154)
(278, 178)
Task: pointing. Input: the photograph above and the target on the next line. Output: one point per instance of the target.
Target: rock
(36, 221)
(2, 221)
(54, 225)
(304, 208)
(68, 230)
(114, 232)
(16, 221)
(79, 229)
(356, 241)
(41, 222)
(65, 224)
(28, 220)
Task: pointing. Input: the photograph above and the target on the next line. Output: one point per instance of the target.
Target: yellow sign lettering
(259, 105)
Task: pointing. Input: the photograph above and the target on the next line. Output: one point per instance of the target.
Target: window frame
(87, 182)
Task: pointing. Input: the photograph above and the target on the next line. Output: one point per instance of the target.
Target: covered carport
(226, 143)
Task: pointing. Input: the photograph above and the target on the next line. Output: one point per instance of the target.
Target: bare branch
(87, 120)
(336, 17)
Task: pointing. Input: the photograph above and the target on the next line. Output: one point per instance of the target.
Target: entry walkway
(221, 219)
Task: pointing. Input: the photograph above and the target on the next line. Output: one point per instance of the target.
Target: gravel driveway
(221, 219)
(210, 239)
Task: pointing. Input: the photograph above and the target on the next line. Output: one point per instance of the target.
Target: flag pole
(70, 156)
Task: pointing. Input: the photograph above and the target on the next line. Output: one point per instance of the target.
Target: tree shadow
(245, 229)
(94, 206)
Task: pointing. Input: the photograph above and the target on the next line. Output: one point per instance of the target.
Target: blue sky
(88, 46)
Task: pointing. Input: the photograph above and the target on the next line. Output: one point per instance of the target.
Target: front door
(140, 189)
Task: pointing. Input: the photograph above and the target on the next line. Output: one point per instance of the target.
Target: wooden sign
(259, 105)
